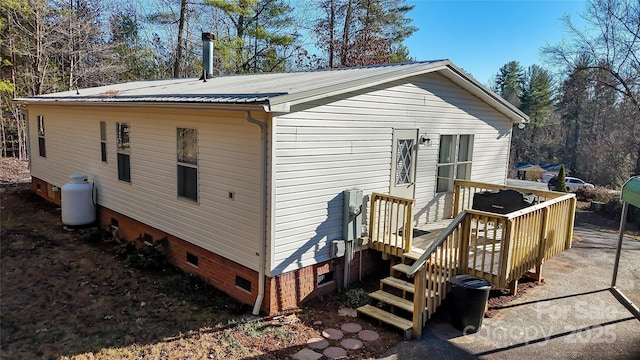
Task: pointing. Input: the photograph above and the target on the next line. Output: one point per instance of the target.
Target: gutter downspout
(263, 211)
(25, 113)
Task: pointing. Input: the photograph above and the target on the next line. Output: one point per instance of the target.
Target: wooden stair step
(398, 284)
(403, 268)
(392, 300)
(413, 255)
(388, 318)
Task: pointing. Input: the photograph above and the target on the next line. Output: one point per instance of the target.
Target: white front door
(403, 163)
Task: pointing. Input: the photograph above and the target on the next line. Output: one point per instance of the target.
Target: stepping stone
(306, 354)
(332, 334)
(351, 328)
(335, 352)
(317, 343)
(343, 311)
(352, 344)
(368, 335)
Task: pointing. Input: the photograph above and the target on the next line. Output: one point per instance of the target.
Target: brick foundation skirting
(283, 292)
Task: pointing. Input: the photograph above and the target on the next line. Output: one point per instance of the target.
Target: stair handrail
(439, 240)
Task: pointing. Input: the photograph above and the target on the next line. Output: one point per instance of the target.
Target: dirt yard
(65, 296)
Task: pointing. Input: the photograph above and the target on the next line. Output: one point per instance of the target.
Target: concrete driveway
(527, 184)
(571, 316)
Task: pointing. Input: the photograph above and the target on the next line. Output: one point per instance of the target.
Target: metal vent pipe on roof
(207, 55)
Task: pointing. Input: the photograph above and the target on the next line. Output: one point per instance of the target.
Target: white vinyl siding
(229, 160)
(345, 142)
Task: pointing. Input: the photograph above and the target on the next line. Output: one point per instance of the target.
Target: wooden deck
(500, 248)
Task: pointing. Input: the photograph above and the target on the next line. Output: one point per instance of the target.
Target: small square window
(324, 278)
(147, 239)
(243, 283)
(192, 259)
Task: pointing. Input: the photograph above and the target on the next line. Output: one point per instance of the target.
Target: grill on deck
(502, 201)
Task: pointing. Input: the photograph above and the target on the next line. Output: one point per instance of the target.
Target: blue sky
(481, 36)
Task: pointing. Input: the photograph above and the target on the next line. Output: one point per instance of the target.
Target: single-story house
(245, 173)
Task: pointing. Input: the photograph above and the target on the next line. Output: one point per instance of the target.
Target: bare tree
(611, 43)
(179, 43)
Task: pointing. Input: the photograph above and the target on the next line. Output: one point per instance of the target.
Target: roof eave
(446, 67)
(284, 102)
(258, 105)
(461, 78)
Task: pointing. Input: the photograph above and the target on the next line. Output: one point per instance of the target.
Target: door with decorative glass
(403, 163)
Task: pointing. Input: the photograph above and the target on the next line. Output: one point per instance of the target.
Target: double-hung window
(454, 160)
(103, 141)
(187, 163)
(124, 151)
(42, 150)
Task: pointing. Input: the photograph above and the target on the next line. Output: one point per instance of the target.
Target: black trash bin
(469, 295)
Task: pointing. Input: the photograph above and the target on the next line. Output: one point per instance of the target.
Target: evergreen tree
(536, 101)
(257, 37)
(510, 82)
(561, 182)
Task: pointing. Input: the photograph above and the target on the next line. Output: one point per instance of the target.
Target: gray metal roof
(275, 91)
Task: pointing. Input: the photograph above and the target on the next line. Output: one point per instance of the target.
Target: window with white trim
(187, 162)
(124, 151)
(42, 150)
(103, 141)
(454, 160)
(404, 166)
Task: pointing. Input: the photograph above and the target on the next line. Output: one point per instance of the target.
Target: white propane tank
(77, 201)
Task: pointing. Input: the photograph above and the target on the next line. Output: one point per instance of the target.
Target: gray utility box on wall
(352, 214)
(351, 223)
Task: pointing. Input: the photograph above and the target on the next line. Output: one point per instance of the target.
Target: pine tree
(258, 35)
(561, 182)
(510, 82)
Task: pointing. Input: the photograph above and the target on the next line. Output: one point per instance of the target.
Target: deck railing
(499, 248)
(390, 224)
(435, 268)
(502, 248)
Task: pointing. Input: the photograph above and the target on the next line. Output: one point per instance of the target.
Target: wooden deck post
(408, 234)
(419, 301)
(464, 238)
(542, 251)
(505, 263)
(456, 199)
(572, 219)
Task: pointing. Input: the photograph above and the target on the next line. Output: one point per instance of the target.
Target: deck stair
(395, 298)
(500, 248)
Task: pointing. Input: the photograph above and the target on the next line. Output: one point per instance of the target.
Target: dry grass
(65, 297)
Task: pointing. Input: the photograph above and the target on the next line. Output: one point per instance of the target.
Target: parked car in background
(548, 176)
(573, 184)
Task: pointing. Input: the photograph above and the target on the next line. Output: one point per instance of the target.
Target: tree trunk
(636, 171)
(332, 25)
(37, 53)
(178, 59)
(72, 62)
(345, 35)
